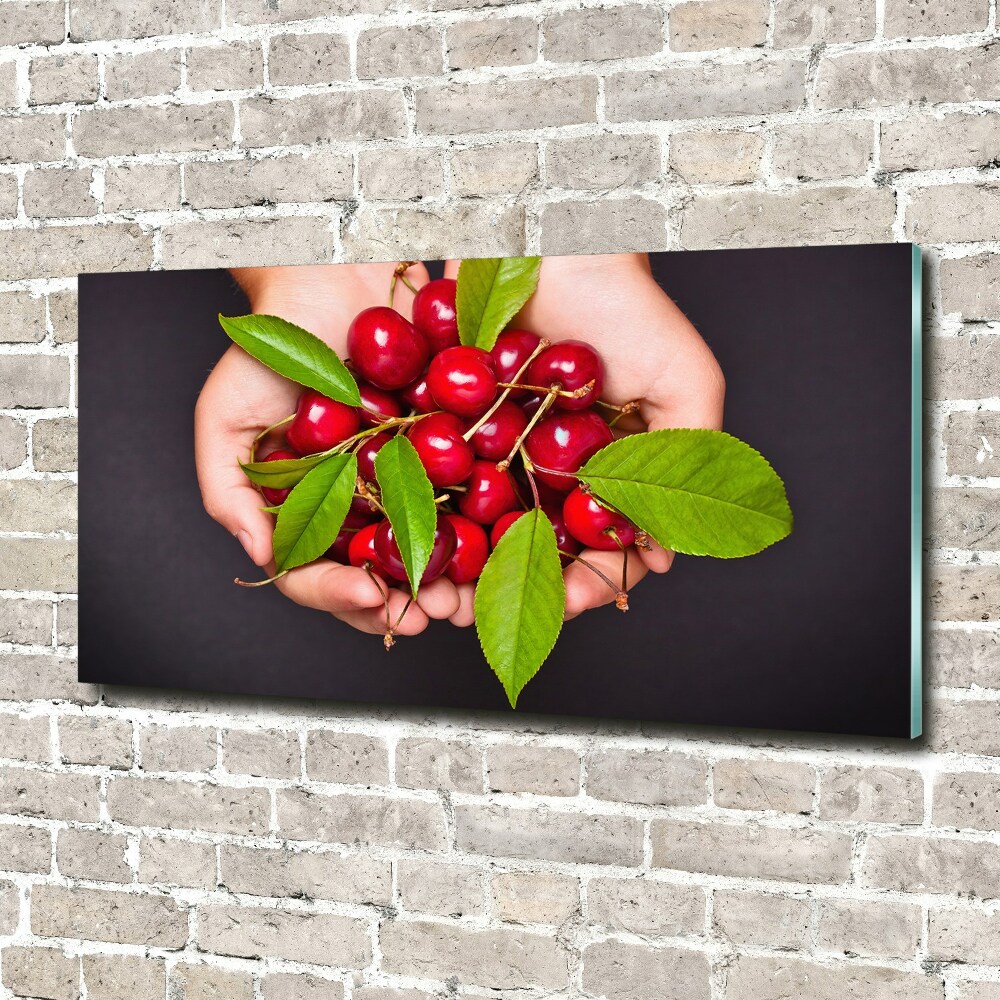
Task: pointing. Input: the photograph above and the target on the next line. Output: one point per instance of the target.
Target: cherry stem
(529, 471)
(399, 274)
(642, 541)
(630, 407)
(363, 490)
(388, 639)
(552, 389)
(260, 583)
(402, 614)
(545, 405)
(508, 389)
(267, 430)
(621, 597)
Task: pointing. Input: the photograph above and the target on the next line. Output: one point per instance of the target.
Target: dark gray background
(812, 634)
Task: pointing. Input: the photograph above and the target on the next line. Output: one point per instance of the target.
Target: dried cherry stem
(399, 274)
(388, 639)
(364, 491)
(552, 389)
(267, 430)
(390, 636)
(642, 541)
(621, 596)
(543, 408)
(632, 406)
(260, 583)
(508, 389)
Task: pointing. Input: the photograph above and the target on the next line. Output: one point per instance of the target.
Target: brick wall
(186, 847)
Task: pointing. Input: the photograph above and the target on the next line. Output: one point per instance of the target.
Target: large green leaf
(312, 516)
(295, 353)
(490, 293)
(283, 472)
(520, 601)
(408, 499)
(701, 492)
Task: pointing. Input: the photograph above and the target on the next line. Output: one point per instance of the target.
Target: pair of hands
(652, 353)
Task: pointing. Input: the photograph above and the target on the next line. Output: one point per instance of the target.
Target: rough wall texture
(177, 846)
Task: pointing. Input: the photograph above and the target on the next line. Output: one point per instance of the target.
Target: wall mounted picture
(669, 487)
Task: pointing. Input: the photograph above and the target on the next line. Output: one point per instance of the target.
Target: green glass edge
(917, 503)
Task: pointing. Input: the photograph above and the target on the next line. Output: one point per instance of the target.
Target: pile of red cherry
(499, 431)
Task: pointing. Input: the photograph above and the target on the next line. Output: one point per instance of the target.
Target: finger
(439, 598)
(407, 617)
(328, 586)
(466, 613)
(586, 590)
(451, 268)
(374, 620)
(657, 558)
(691, 392)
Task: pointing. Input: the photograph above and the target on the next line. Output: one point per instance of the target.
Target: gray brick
(91, 739)
(401, 174)
(167, 861)
(308, 59)
(67, 623)
(977, 991)
(26, 622)
(808, 22)
(752, 851)
(254, 932)
(25, 737)
(93, 854)
(971, 285)
(676, 92)
(347, 758)
(34, 138)
(765, 978)
(644, 906)
(534, 769)
(506, 104)
(180, 805)
(954, 213)
(607, 226)
(56, 251)
(434, 887)
(93, 19)
(123, 977)
(717, 24)
(41, 22)
(448, 765)
(488, 170)
(13, 443)
(354, 114)
(963, 593)
(23, 318)
(603, 161)
(26, 677)
(99, 915)
(63, 315)
(504, 41)
(653, 777)
(962, 367)
(8, 196)
(410, 50)
(965, 726)
(10, 908)
(178, 748)
(40, 505)
(963, 935)
(174, 128)
(967, 800)
(535, 897)
(8, 85)
(762, 919)
(870, 929)
(142, 74)
(142, 187)
(297, 986)
(920, 18)
(823, 152)
(389, 993)
(206, 982)
(44, 973)
(39, 564)
(595, 34)
(784, 786)
(63, 79)
(932, 864)
(25, 849)
(247, 242)
(960, 658)
(55, 444)
(263, 753)
(233, 66)
(964, 519)
(547, 835)
(48, 795)
(266, 12)
(620, 970)
(971, 440)
(344, 877)
(871, 795)
(907, 76)
(935, 142)
(473, 957)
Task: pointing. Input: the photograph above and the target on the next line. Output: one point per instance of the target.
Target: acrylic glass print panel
(817, 630)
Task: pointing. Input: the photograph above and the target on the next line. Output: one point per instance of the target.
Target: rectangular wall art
(675, 487)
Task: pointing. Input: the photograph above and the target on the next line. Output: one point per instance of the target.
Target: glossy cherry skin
(391, 562)
(446, 456)
(561, 442)
(497, 436)
(361, 548)
(386, 348)
(354, 521)
(565, 542)
(370, 447)
(276, 497)
(320, 423)
(511, 350)
(434, 314)
(500, 528)
(490, 494)
(570, 365)
(472, 549)
(462, 381)
(377, 406)
(595, 526)
(530, 404)
(417, 395)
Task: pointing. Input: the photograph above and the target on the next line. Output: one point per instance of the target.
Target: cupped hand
(242, 397)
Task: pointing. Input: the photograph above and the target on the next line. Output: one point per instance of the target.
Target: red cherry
(531, 404)
(377, 406)
(386, 348)
(391, 561)
(361, 548)
(511, 350)
(472, 549)
(446, 455)
(418, 396)
(370, 447)
(462, 380)
(490, 495)
(276, 497)
(338, 552)
(570, 365)
(434, 314)
(565, 542)
(592, 525)
(561, 442)
(355, 520)
(500, 528)
(497, 436)
(320, 423)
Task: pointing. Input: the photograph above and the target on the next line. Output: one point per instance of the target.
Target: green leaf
(282, 473)
(311, 517)
(701, 492)
(408, 499)
(490, 293)
(295, 353)
(520, 601)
